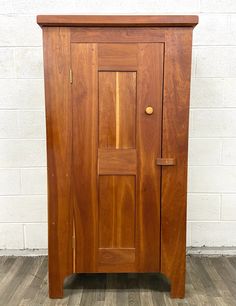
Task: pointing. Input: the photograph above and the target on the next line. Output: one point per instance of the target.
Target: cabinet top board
(116, 21)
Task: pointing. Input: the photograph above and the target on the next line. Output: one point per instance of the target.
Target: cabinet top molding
(116, 21)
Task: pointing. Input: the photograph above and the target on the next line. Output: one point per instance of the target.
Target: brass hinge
(73, 242)
(71, 76)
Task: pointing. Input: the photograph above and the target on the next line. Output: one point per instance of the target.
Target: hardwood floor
(209, 281)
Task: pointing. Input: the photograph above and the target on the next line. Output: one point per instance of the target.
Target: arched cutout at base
(156, 282)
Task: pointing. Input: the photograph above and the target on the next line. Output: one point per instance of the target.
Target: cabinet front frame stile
(61, 36)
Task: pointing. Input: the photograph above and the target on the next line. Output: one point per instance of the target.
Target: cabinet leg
(177, 290)
(56, 288)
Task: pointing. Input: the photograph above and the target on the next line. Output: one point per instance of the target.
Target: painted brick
(214, 123)
(232, 28)
(225, 6)
(229, 152)
(21, 94)
(216, 62)
(228, 209)
(9, 124)
(181, 6)
(23, 209)
(29, 62)
(215, 234)
(188, 238)
(32, 124)
(208, 92)
(7, 63)
(7, 34)
(230, 92)
(36, 236)
(204, 207)
(33, 181)
(6, 6)
(48, 7)
(11, 236)
(194, 62)
(212, 179)
(204, 151)
(105, 7)
(9, 181)
(19, 31)
(213, 30)
(22, 153)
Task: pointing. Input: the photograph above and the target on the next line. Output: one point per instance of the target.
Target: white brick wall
(212, 144)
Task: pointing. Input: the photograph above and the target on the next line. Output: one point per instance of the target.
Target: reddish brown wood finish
(96, 20)
(117, 176)
(149, 92)
(117, 161)
(118, 35)
(117, 211)
(166, 161)
(117, 118)
(59, 153)
(175, 144)
(85, 143)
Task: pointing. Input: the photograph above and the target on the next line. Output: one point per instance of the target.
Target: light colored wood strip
(117, 112)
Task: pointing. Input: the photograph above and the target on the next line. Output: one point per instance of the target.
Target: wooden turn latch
(166, 161)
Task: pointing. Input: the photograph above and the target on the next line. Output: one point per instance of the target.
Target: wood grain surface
(117, 211)
(117, 109)
(117, 161)
(150, 78)
(122, 20)
(85, 143)
(117, 35)
(59, 152)
(175, 145)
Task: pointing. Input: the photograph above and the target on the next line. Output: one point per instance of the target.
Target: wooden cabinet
(117, 108)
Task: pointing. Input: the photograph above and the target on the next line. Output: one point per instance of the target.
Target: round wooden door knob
(149, 110)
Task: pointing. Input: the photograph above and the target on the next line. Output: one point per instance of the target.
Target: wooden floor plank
(209, 281)
(24, 279)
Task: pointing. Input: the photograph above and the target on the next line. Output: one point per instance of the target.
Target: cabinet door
(116, 184)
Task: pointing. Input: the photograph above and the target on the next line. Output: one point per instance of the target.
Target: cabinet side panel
(177, 73)
(56, 42)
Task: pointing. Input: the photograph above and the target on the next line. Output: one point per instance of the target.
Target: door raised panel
(117, 211)
(117, 109)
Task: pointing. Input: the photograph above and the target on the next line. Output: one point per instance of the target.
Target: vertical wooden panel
(116, 211)
(85, 132)
(150, 74)
(175, 145)
(107, 109)
(117, 109)
(59, 152)
(127, 109)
